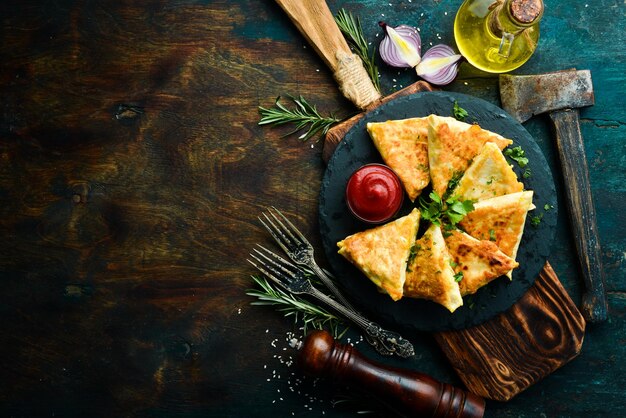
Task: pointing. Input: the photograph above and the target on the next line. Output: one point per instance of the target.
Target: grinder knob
(408, 392)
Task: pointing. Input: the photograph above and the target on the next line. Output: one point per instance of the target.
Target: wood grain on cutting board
(505, 355)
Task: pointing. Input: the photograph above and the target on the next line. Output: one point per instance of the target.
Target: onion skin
(392, 53)
(439, 66)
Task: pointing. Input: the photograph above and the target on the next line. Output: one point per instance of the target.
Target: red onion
(440, 65)
(401, 46)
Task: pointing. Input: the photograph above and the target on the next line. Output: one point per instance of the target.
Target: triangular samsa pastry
(452, 145)
(381, 253)
(429, 273)
(489, 175)
(501, 220)
(403, 145)
(480, 261)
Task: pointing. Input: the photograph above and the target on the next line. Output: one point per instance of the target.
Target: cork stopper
(526, 11)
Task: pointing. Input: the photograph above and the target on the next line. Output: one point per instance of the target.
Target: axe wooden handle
(582, 212)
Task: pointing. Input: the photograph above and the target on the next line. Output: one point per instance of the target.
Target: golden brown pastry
(501, 220)
(452, 145)
(381, 253)
(489, 175)
(480, 261)
(403, 145)
(429, 273)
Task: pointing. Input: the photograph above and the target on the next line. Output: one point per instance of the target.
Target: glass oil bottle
(498, 36)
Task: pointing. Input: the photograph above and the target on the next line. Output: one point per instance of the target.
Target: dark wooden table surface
(132, 171)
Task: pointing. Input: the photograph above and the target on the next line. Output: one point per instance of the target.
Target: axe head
(523, 96)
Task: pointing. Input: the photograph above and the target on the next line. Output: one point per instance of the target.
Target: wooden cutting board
(505, 355)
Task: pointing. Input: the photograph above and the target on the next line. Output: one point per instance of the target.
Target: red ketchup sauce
(374, 193)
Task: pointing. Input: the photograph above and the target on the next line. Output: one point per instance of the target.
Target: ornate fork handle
(384, 342)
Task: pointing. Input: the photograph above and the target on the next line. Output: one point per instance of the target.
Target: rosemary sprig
(304, 114)
(353, 32)
(300, 309)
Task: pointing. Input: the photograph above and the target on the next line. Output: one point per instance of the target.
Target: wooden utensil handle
(582, 212)
(315, 21)
(408, 392)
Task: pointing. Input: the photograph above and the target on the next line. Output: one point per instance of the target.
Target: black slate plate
(336, 222)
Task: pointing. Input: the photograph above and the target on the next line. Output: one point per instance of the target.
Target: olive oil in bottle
(498, 35)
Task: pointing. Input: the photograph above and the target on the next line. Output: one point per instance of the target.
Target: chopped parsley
(459, 112)
(452, 184)
(458, 277)
(492, 235)
(412, 253)
(536, 220)
(453, 264)
(451, 210)
(547, 206)
(518, 155)
(527, 173)
(490, 180)
(456, 209)
(447, 230)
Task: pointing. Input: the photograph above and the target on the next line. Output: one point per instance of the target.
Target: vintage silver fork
(299, 249)
(292, 279)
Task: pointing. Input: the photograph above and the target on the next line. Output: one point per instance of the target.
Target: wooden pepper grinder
(409, 393)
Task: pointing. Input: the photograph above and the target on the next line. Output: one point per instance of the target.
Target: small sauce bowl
(374, 193)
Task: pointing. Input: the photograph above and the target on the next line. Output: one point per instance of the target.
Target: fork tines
(272, 265)
(283, 231)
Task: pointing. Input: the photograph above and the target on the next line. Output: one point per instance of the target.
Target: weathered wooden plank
(131, 174)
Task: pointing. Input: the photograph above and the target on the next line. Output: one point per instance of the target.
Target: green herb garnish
(452, 184)
(300, 309)
(526, 173)
(536, 220)
(547, 206)
(447, 230)
(518, 155)
(451, 210)
(492, 235)
(353, 32)
(305, 114)
(412, 254)
(459, 112)
(458, 277)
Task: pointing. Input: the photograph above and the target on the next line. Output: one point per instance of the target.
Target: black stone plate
(336, 222)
